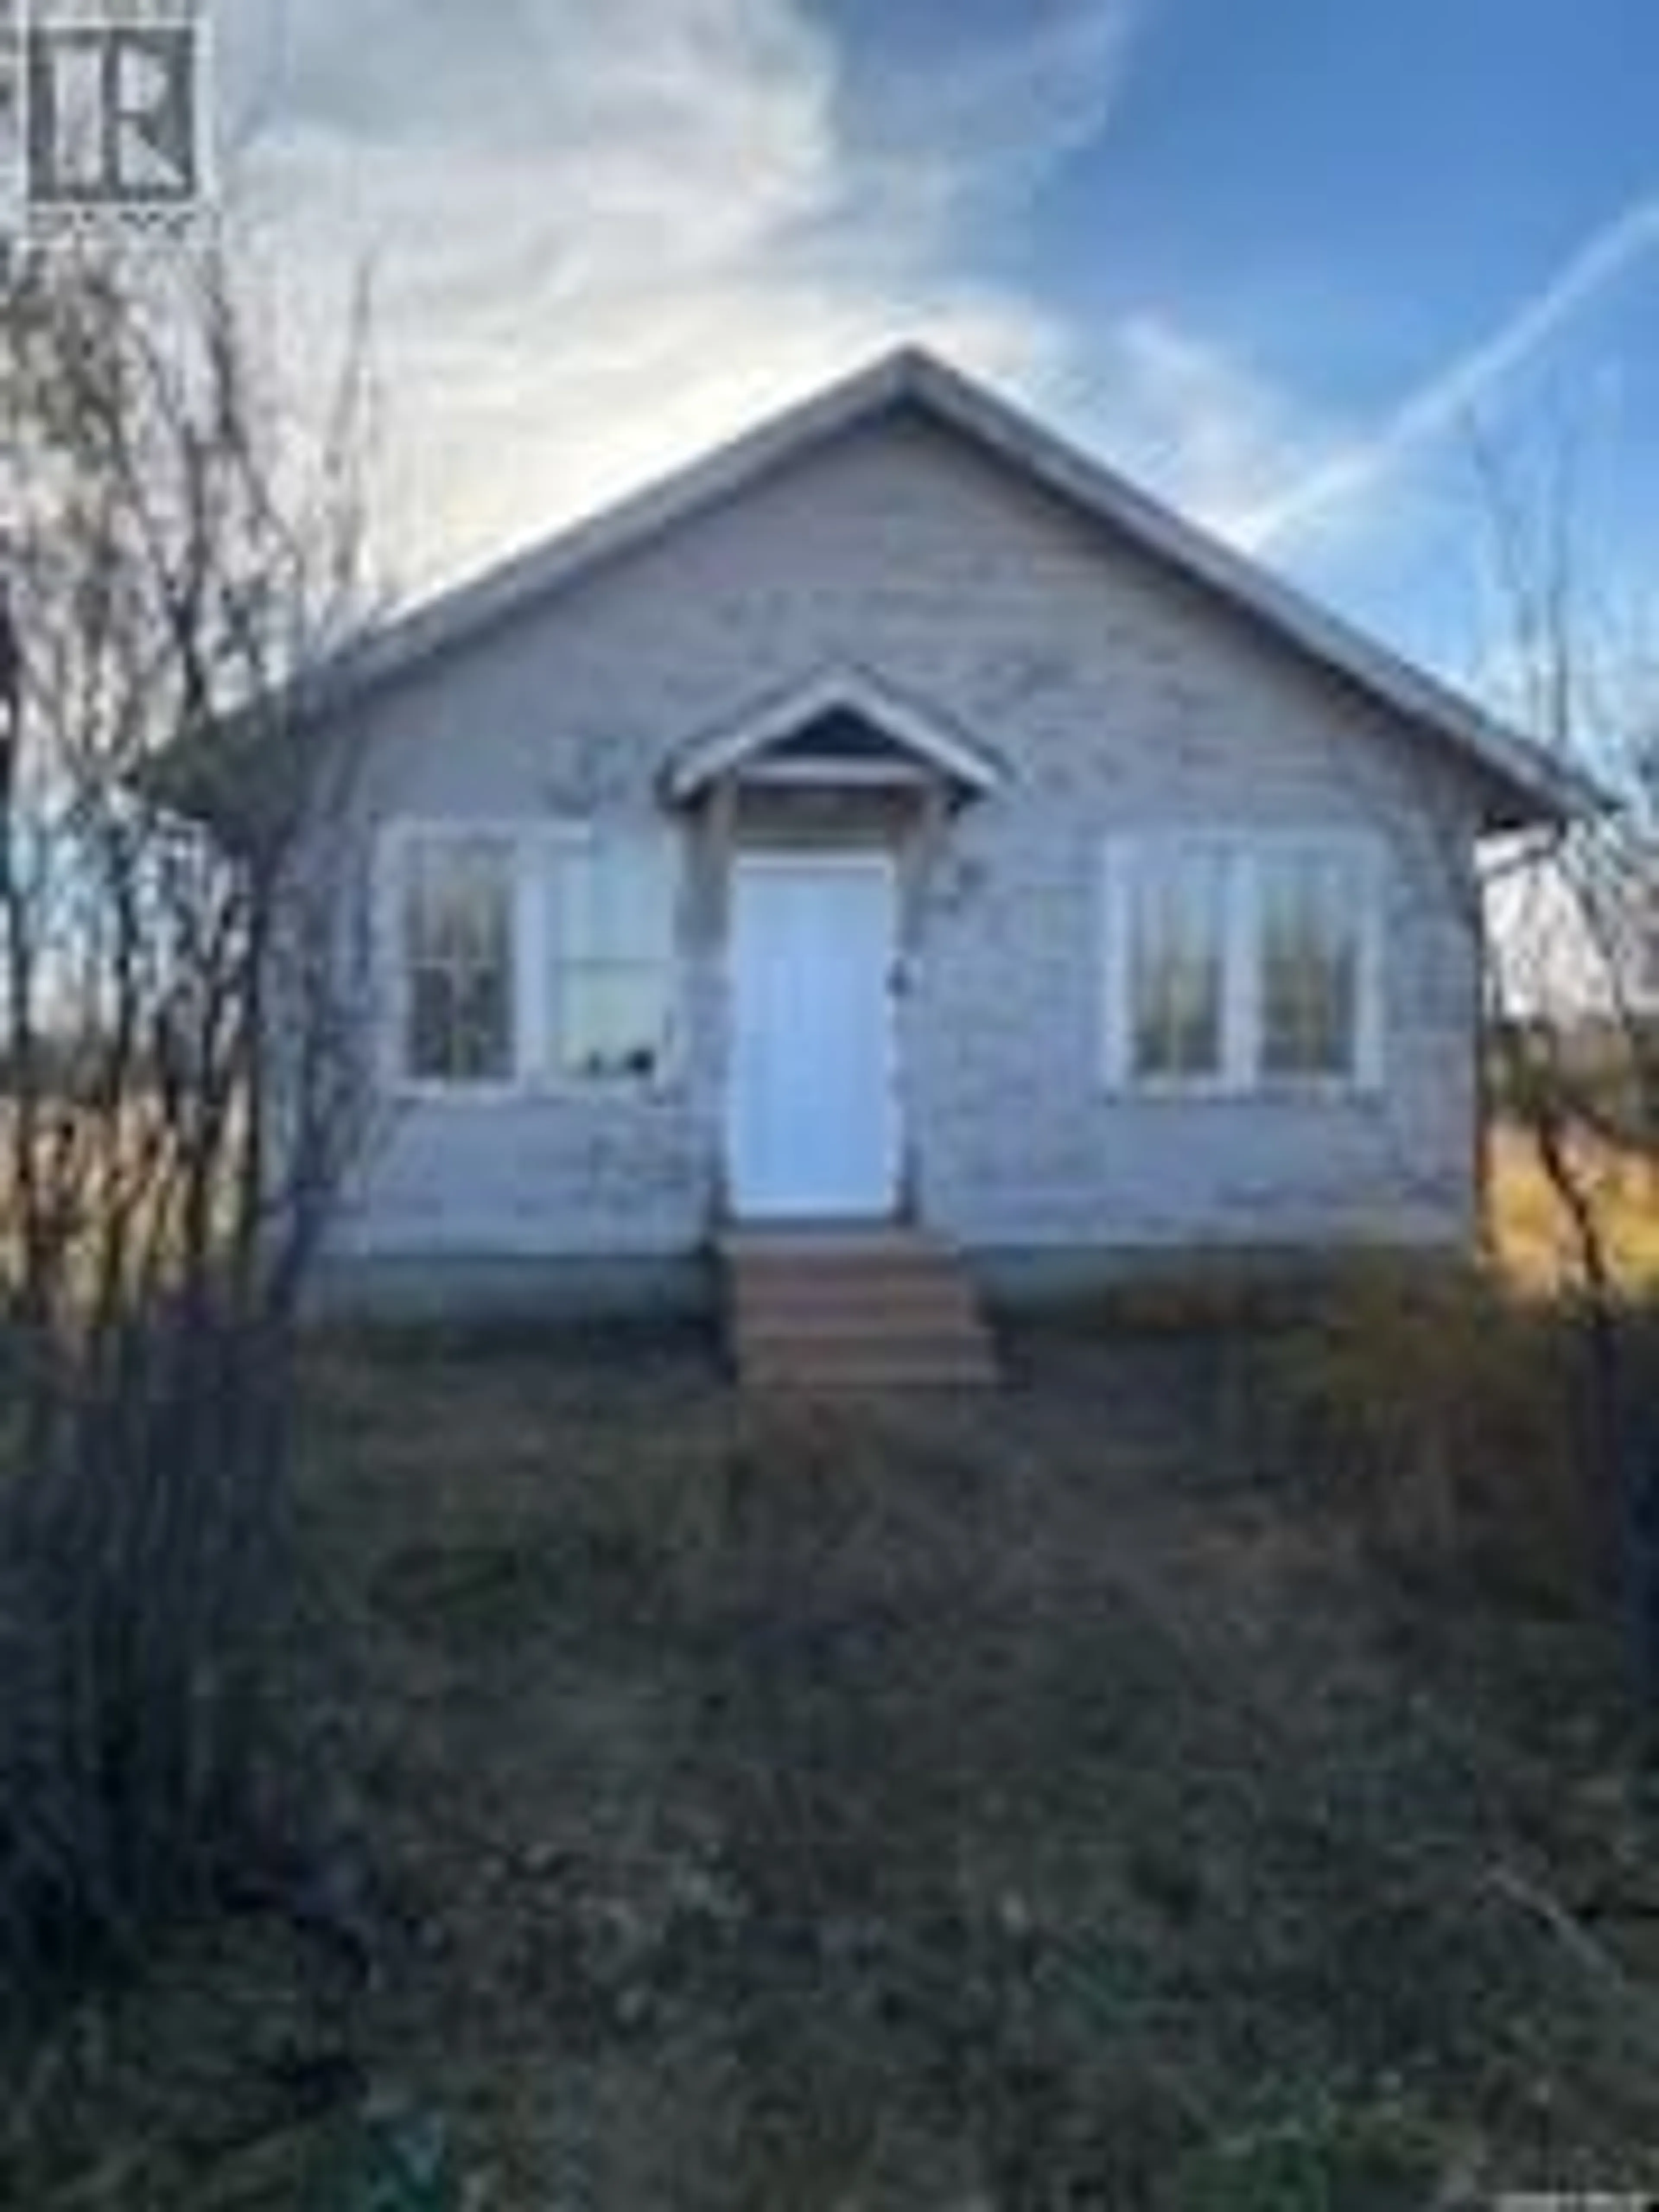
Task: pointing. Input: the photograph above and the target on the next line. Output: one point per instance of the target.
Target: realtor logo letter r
(112, 116)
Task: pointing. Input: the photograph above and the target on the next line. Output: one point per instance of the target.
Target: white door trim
(783, 1042)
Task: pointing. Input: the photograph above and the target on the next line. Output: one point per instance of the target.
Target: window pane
(1309, 909)
(431, 1024)
(460, 904)
(459, 959)
(613, 958)
(613, 1021)
(483, 1043)
(616, 900)
(459, 1026)
(1177, 927)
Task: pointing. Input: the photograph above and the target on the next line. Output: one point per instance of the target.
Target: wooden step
(866, 1307)
(830, 1281)
(832, 1240)
(889, 1364)
(851, 1341)
(911, 1305)
(825, 1272)
(793, 1380)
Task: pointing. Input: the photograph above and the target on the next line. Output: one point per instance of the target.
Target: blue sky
(1281, 259)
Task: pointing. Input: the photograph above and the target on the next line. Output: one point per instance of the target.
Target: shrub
(1451, 1417)
(141, 1572)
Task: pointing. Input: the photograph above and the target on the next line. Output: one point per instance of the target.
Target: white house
(899, 818)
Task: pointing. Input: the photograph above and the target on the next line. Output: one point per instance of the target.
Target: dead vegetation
(1050, 1803)
(1532, 1237)
(179, 1077)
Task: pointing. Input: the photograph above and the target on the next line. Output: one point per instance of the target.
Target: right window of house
(1310, 945)
(1244, 962)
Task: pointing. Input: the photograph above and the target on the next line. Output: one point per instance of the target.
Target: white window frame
(536, 851)
(1245, 852)
(397, 840)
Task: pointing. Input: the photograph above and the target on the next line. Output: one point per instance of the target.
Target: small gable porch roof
(841, 724)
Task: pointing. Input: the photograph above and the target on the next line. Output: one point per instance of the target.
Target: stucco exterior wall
(1116, 698)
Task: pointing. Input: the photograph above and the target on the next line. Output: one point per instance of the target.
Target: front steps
(820, 1308)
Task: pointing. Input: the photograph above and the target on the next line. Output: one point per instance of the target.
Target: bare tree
(1573, 986)
(180, 1090)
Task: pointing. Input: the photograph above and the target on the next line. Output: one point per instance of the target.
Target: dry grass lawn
(1011, 1805)
(1531, 1233)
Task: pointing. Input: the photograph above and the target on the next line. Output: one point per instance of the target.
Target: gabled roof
(1527, 783)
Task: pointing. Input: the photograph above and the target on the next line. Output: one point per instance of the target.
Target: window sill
(608, 1090)
(540, 1090)
(1310, 1090)
(422, 1090)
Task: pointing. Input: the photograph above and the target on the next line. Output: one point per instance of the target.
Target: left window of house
(456, 896)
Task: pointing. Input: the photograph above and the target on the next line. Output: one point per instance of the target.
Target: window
(1242, 962)
(612, 965)
(1177, 940)
(1308, 917)
(531, 955)
(457, 900)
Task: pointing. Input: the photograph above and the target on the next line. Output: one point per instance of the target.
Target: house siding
(1118, 698)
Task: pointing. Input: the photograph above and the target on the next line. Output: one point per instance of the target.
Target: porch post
(920, 856)
(719, 843)
(925, 847)
(718, 846)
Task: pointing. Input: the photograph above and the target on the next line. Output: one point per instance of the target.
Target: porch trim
(740, 747)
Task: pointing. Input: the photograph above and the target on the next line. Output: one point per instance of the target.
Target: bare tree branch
(179, 1074)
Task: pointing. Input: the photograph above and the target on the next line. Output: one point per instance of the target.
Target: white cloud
(1206, 429)
(1451, 402)
(1367, 516)
(992, 123)
(605, 236)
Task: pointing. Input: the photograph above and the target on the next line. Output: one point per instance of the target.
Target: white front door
(812, 1122)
